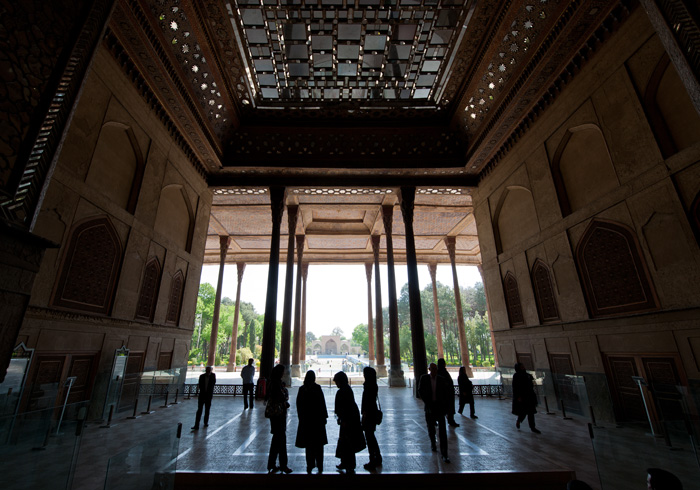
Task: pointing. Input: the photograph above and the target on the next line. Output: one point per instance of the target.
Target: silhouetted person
(247, 375)
(351, 439)
(442, 371)
(206, 393)
(312, 412)
(276, 396)
(658, 479)
(438, 394)
(370, 395)
(524, 397)
(465, 392)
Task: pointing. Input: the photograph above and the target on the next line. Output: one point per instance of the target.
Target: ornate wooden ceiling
(361, 94)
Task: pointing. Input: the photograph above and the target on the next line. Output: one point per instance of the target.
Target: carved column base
(296, 371)
(381, 370)
(396, 378)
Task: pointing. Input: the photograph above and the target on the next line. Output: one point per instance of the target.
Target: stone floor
(238, 440)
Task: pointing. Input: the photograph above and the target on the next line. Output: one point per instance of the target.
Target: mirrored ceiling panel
(366, 52)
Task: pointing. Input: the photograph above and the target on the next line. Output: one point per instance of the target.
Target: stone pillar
(379, 351)
(432, 268)
(370, 328)
(464, 349)
(395, 373)
(488, 311)
(224, 242)
(288, 292)
(420, 362)
(234, 331)
(267, 357)
(302, 345)
(296, 368)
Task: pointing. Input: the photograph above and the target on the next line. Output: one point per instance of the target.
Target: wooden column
(370, 328)
(420, 362)
(432, 268)
(296, 368)
(488, 312)
(234, 331)
(379, 352)
(288, 292)
(395, 372)
(267, 357)
(464, 349)
(302, 345)
(224, 242)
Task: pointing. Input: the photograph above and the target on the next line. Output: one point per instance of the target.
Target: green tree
(338, 331)
(361, 337)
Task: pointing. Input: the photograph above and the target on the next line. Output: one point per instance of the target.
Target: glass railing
(663, 434)
(151, 464)
(144, 392)
(39, 448)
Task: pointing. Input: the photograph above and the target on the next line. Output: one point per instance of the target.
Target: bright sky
(336, 294)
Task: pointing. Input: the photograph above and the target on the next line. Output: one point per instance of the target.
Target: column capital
(432, 268)
(292, 213)
(304, 270)
(376, 239)
(408, 198)
(387, 217)
(450, 243)
(241, 268)
(224, 242)
(368, 270)
(300, 243)
(277, 203)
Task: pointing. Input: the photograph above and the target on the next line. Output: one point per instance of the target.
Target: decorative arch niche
(90, 267)
(146, 306)
(672, 118)
(582, 168)
(175, 216)
(512, 295)
(613, 272)
(544, 292)
(117, 165)
(515, 218)
(177, 286)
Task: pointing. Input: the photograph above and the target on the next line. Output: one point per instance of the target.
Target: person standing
(465, 392)
(277, 398)
(442, 371)
(524, 397)
(438, 394)
(313, 415)
(351, 439)
(247, 375)
(206, 393)
(370, 396)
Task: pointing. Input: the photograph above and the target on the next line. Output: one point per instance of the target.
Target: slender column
(381, 368)
(450, 242)
(302, 345)
(395, 372)
(288, 292)
(224, 242)
(420, 362)
(267, 357)
(370, 328)
(432, 268)
(296, 368)
(234, 331)
(488, 312)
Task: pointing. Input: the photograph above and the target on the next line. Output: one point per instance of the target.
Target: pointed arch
(90, 267)
(177, 286)
(582, 169)
(515, 218)
(148, 297)
(117, 165)
(512, 295)
(175, 216)
(544, 292)
(613, 271)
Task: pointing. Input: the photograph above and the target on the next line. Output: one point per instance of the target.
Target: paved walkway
(238, 440)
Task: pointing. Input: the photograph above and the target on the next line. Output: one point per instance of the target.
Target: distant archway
(331, 348)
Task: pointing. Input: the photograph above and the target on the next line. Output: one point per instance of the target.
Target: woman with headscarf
(370, 395)
(524, 397)
(312, 412)
(351, 440)
(465, 392)
(276, 410)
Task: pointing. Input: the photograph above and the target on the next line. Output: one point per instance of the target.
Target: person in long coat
(524, 397)
(312, 412)
(465, 392)
(277, 394)
(351, 439)
(438, 394)
(442, 371)
(370, 395)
